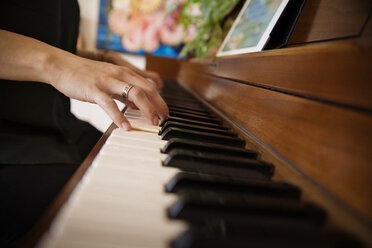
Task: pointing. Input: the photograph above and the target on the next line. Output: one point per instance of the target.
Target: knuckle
(92, 87)
(126, 71)
(101, 77)
(113, 71)
(104, 101)
(136, 93)
(151, 89)
(89, 91)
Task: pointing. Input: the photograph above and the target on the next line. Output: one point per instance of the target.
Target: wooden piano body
(306, 108)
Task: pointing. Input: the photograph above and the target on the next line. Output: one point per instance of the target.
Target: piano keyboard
(186, 183)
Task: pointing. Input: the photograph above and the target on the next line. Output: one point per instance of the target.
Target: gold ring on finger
(126, 90)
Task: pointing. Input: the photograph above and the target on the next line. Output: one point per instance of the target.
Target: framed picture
(251, 29)
(142, 26)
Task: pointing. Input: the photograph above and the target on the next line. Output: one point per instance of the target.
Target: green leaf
(209, 25)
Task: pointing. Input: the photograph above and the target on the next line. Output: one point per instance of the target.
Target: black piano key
(217, 164)
(182, 182)
(205, 112)
(193, 122)
(199, 207)
(251, 237)
(173, 132)
(185, 104)
(183, 107)
(175, 93)
(231, 228)
(195, 117)
(183, 99)
(188, 144)
(188, 103)
(195, 128)
(191, 112)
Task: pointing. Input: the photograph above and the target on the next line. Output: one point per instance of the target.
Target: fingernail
(125, 126)
(155, 121)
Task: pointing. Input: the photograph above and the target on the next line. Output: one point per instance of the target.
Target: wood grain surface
(327, 144)
(167, 67)
(340, 215)
(337, 71)
(329, 19)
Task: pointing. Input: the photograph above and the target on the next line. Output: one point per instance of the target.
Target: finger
(112, 110)
(153, 95)
(154, 76)
(140, 99)
(150, 75)
(131, 105)
(135, 78)
(126, 102)
(157, 100)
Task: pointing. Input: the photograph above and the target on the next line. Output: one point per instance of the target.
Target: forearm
(26, 59)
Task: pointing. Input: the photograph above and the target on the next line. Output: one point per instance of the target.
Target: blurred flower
(118, 22)
(172, 36)
(133, 40)
(140, 28)
(121, 4)
(191, 31)
(152, 32)
(172, 32)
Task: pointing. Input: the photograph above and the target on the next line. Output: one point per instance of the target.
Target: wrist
(97, 55)
(54, 65)
(105, 56)
(100, 56)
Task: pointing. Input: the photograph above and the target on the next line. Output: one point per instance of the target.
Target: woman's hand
(115, 58)
(101, 83)
(26, 59)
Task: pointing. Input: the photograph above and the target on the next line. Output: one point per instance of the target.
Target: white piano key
(111, 236)
(137, 135)
(142, 166)
(120, 202)
(150, 172)
(131, 111)
(121, 137)
(124, 141)
(112, 150)
(121, 161)
(120, 150)
(129, 210)
(51, 242)
(101, 211)
(144, 125)
(134, 117)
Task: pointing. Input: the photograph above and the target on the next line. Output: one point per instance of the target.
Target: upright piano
(268, 149)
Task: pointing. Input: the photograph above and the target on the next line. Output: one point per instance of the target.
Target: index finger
(112, 110)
